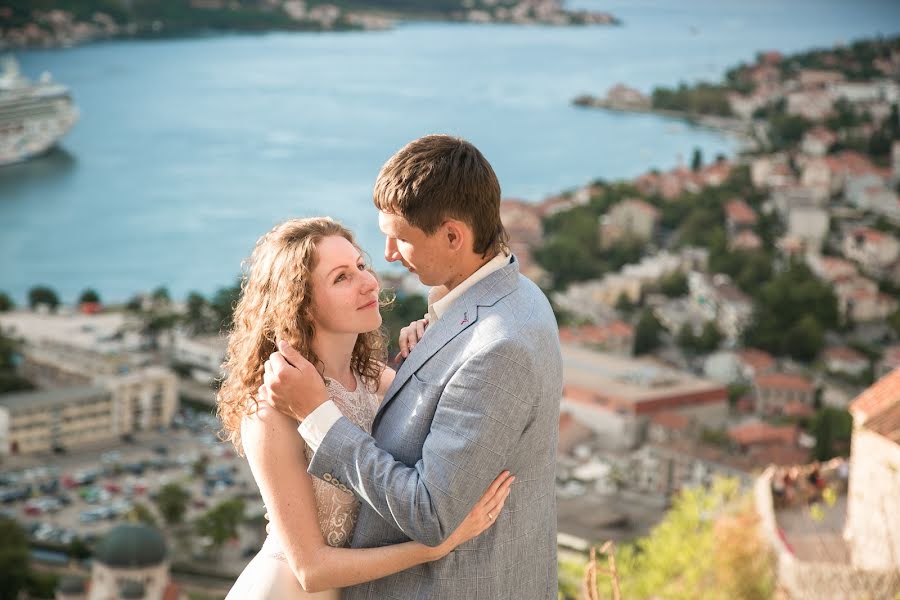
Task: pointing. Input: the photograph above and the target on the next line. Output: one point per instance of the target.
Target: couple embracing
(434, 481)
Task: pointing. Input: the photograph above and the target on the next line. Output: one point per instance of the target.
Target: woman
(308, 284)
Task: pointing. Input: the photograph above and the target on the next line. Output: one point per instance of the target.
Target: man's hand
(291, 385)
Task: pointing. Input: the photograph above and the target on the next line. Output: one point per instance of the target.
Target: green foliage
(646, 335)
(708, 340)
(172, 501)
(13, 558)
(78, 548)
(10, 381)
(42, 294)
(786, 131)
(674, 285)
(89, 296)
(141, 513)
(697, 160)
(707, 546)
(830, 426)
(701, 99)
(402, 311)
(792, 312)
(894, 322)
(6, 302)
(221, 522)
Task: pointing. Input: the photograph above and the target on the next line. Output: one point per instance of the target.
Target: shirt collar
(438, 308)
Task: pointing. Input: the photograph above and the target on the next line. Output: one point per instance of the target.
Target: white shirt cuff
(315, 427)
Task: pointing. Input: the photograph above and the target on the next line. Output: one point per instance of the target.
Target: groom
(479, 394)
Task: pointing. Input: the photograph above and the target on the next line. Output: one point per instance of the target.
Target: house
(775, 390)
(845, 360)
(873, 497)
(630, 219)
(718, 299)
(745, 240)
(868, 191)
(811, 79)
(859, 92)
(808, 224)
(860, 301)
(757, 433)
(616, 337)
(623, 95)
(830, 268)
(739, 215)
(754, 362)
(814, 105)
(829, 173)
(771, 171)
(817, 141)
(874, 250)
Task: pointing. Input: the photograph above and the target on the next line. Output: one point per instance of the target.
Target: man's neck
(335, 351)
(465, 270)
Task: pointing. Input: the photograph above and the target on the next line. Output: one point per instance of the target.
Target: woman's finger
(420, 328)
(268, 368)
(495, 485)
(403, 342)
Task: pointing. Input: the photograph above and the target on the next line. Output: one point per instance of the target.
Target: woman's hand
(410, 336)
(482, 515)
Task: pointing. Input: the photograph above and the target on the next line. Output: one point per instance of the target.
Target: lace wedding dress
(268, 575)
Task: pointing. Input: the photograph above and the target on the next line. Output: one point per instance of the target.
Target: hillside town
(736, 317)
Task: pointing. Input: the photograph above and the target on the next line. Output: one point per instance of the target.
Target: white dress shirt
(316, 426)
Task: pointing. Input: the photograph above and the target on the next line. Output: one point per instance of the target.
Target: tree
(697, 160)
(223, 303)
(674, 284)
(707, 546)
(42, 294)
(399, 313)
(89, 296)
(221, 523)
(646, 335)
(13, 558)
(894, 321)
(141, 513)
(197, 314)
(710, 337)
(6, 302)
(831, 426)
(10, 381)
(805, 339)
(172, 501)
(78, 548)
(160, 297)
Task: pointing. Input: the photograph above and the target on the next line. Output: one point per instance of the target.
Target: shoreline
(739, 129)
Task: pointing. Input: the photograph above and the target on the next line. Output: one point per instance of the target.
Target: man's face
(424, 255)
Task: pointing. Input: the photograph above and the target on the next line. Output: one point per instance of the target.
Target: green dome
(132, 590)
(131, 546)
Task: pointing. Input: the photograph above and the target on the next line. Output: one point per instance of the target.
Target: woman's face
(344, 291)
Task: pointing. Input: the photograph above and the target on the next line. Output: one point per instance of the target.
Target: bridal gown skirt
(270, 578)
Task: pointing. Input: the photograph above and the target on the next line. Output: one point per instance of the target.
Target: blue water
(188, 150)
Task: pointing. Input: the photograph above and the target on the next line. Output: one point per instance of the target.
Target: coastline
(740, 129)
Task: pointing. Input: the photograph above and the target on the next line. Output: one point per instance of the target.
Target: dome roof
(131, 546)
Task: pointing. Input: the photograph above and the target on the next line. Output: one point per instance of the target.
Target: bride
(307, 283)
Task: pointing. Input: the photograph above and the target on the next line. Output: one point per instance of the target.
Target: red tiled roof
(870, 235)
(596, 334)
(844, 353)
(784, 381)
(758, 360)
(880, 396)
(762, 433)
(740, 212)
(796, 408)
(887, 423)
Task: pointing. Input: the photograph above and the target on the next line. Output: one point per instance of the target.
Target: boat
(34, 115)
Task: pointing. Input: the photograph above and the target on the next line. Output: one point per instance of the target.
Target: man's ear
(456, 234)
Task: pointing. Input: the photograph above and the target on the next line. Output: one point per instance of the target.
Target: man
(479, 394)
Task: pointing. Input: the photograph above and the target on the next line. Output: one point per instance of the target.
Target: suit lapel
(461, 315)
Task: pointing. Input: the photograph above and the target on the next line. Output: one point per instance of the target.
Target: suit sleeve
(480, 415)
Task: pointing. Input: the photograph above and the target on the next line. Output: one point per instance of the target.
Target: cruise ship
(33, 115)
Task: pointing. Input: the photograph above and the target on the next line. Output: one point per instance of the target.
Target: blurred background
(706, 190)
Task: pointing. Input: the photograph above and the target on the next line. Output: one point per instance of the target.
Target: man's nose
(390, 250)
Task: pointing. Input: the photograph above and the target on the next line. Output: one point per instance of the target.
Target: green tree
(646, 335)
(200, 465)
(709, 338)
(674, 284)
(197, 313)
(78, 548)
(42, 294)
(141, 513)
(221, 522)
(6, 302)
(707, 546)
(697, 160)
(172, 501)
(89, 296)
(160, 297)
(400, 312)
(10, 381)
(223, 303)
(805, 339)
(894, 321)
(13, 558)
(830, 427)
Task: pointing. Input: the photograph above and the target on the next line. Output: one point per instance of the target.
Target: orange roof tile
(671, 420)
(740, 212)
(784, 381)
(758, 360)
(880, 396)
(844, 353)
(762, 433)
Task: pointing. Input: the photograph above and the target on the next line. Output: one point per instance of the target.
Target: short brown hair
(438, 177)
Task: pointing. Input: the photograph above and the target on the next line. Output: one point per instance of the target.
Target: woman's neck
(335, 352)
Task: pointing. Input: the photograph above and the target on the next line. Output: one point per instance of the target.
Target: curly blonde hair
(275, 303)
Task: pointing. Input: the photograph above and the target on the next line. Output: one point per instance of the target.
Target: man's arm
(481, 414)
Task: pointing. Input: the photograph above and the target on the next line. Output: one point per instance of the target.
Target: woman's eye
(361, 266)
(340, 278)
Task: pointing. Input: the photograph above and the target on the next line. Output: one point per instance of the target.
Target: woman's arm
(276, 456)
